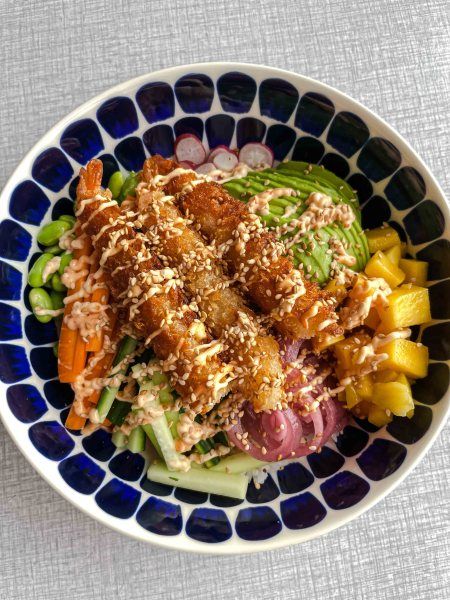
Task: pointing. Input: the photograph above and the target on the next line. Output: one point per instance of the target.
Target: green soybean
(115, 183)
(57, 284)
(68, 219)
(57, 299)
(50, 233)
(65, 260)
(54, 249)
(35, 278)
(128, 187)
(40, 299)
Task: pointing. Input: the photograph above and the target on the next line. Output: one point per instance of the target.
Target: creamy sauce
(259, 203)
(51, 267)
(366, 293)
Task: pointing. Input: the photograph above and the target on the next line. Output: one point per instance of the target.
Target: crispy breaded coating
(157, 308)
(297, 307)
(254, 353)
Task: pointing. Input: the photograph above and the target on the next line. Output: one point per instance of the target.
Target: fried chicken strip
(157, 308)
(253, 353)
(297, 307)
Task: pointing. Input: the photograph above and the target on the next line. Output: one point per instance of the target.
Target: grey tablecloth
(392, 56)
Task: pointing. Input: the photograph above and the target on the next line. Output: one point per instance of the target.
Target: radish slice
(256, 155)
(217, 150)
(189, 148)
(205, 168)
(186, 164)
(225, 161)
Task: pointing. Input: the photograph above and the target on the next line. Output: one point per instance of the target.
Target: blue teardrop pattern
(28, 203)
(10, 282)
(190, 496)
(158, 516)
(405, 188)
(378, 159)
(110, 166)
(249, 130)
(159, 140)
(195, 92)
(263, 492)
(257, 523)
(59, 395)
(63, 415)
(314, 113)
(208, 525)
(439, 299)
(219, 130)
(432, 388)
(192, 125)
(277, 99)
(280, 139)
(348, 133)
(224, 501)
(127, 465)
(410, 431)
(302, 511)
(336, 164)
(44, 362)
(156, 101)
(51, 440)
(118, 499)
(361, 185)
(294, 478)
(375, 212)
(381, 459)
(437, 339)
(344, 490)
(325, 463)
(158, 489)
(81, 473)
(82, 140)
(399, 228)
(99, 445)
(118, 116)
(25, 402)
(130, 153)
(424, 223)
(10, 323)
(39, 333)
(52, 169)
(236, 92)
(309, 150)
(437, 255)
(14, 364)
(63, 206)
(73, 187)
(15, 241)
(351, 440)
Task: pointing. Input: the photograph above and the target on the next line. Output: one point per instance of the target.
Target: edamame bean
(50, 233)
(39, 299)
(57, 299)
(35, 278)
(68, 219)
(57, 284)
(128, 187)
(115, 183)
(65, 260)
(55, 250)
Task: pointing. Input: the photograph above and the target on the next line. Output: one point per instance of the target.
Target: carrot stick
(100, 295)
(68, 340)
(74, 421)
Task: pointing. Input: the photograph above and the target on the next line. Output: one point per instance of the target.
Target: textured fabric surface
(392, 56)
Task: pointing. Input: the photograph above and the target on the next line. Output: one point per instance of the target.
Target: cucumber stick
(238, 463)
(201, 480)
(136, 440)
(119, 439)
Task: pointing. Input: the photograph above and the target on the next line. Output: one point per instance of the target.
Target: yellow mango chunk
(321, 342)
(408, 305)
(385, 376)
(403, 248)
(416, 271)
(345, 349)
(364, 387)
(378, 416)
(405, 357)
(380, 266)
(382, 238)
(373, 319)
(393, 396)
(351, 397)
(394, 254)
(362, 409)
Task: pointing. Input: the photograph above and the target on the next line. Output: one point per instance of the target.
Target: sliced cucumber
(136, 440)
(238, 463)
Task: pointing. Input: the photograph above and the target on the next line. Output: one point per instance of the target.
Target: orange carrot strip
(74, 421)
(100, 295)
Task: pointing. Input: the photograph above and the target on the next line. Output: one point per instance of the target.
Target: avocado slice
(305, 179)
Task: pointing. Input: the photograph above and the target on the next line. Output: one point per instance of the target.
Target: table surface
(394, 57)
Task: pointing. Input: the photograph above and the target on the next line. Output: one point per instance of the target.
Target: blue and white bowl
(232, 104)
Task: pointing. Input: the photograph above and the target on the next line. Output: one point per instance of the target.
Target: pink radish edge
(256, 155)
(188, 148)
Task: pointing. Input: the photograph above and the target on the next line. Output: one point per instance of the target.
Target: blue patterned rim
(228, 104)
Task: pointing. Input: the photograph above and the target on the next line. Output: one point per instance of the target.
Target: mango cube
(362, 409)
(394, 254)
(393, 396)
(378, 416)
(407, 305)
(385, 376)
(351, 397)
(323, 341)
(373, 319)
(382, 238)
(364, 387)
(380, 266)
(405, 357)
(345, 349)
(416, 271)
